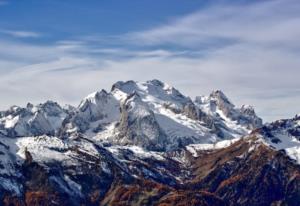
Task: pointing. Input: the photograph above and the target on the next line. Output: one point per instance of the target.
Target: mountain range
(145, 143)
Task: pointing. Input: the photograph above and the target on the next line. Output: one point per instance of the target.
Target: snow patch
(194, 148)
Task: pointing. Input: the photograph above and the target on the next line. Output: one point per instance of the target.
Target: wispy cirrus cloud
(21, 34)
(269, 23)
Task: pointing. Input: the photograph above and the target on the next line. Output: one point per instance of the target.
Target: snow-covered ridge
(283, 135)
(184, 121)
(33, 120)
(150, 114)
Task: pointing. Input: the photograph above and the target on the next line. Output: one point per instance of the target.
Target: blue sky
(58, 19)
(64, 50)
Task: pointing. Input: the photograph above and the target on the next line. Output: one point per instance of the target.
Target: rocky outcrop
(249, 118)
(219, 100)
(195, 113)
(138, 125)
(224, 112)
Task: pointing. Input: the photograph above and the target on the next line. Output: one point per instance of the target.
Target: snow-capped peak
(220, 96)
(153, 90)
(94, 97)
(41, 119)
(138, 113)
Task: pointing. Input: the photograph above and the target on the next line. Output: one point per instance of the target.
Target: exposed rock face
(244, 116)
(195, 113)
(138, 125)
(219, 100)
(170, 107)
(225, 113)
(248, 117)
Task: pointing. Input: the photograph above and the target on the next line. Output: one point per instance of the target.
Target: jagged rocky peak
(222, 102)
(220, 96)
(94, 98)
(94, 111)
(245, 115)
(215, 102)
(249, 116)
(230, 110)
(195, 113)
(51, 108)
(138, 125)
(218, 105)
(248, 110)
(99, 105)
(32, 120)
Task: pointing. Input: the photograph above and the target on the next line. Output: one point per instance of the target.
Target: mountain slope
(145, 143)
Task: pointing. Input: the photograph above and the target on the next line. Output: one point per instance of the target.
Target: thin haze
(64, 50)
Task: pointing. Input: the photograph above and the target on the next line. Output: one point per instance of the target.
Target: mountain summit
(146, 143)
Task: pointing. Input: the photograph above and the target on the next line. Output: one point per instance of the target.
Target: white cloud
(265, 22)
(21, 34)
